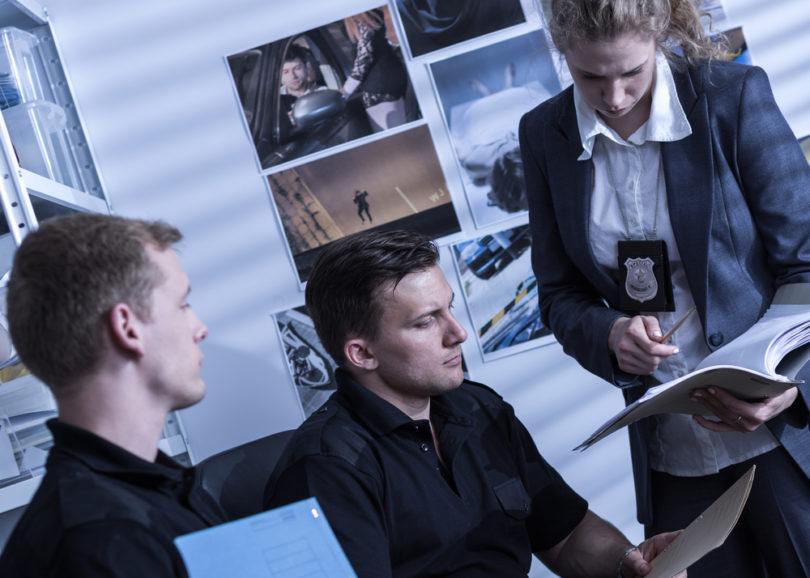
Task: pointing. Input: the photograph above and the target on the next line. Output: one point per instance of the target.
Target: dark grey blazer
(738, 193)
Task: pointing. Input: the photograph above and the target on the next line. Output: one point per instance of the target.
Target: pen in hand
(675, 327)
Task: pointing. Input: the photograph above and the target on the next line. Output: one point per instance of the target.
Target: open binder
(762, 362)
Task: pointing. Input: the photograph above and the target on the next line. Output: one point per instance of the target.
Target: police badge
(644, 269)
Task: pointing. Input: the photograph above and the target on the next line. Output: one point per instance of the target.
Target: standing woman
(650, 158)
(378, 71)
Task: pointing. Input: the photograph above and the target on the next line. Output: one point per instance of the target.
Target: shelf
(22, 13)
(28, 198)
(51, 199)
(49, 190)
(18, 494)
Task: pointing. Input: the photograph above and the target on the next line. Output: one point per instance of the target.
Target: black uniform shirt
(398, 511)
(102, 511)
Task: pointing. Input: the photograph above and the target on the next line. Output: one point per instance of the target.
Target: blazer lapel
(689, 177)
(573, 202)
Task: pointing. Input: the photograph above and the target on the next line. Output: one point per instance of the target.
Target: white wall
(150, 81)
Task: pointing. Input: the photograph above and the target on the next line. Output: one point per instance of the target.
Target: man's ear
(125, 329)
(359, 354)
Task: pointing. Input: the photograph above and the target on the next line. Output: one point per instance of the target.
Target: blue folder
(294, 541)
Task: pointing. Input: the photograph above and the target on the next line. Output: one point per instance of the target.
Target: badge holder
(645, 280)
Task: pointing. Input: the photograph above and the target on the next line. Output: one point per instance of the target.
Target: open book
(761, 362)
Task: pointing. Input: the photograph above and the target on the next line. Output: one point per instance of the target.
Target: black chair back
(236, 477)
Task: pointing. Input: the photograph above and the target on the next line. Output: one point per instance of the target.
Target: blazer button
(425, 447)
(716, 339)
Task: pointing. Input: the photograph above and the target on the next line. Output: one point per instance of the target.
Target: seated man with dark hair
(98, 310)
(420, 472)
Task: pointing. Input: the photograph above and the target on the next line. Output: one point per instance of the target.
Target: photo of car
(490, 254)
(500, 290)
(285, 127)
(520, 323)
(311, 369)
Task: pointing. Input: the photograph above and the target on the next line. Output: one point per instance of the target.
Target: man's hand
(635, 341)
(734, 414)
(636, 563)
(595, 547)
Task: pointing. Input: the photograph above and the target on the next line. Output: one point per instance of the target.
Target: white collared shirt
(629, 200)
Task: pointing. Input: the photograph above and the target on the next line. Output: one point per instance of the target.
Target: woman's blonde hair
(373, 19)
(675, 25)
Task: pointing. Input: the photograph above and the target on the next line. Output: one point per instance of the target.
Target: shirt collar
(382, 417)
(102, 456)
(667, 120)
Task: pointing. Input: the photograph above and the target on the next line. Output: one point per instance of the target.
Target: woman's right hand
(635, 341)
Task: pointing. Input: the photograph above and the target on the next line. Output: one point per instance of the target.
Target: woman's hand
(734, 414)
(635, 341)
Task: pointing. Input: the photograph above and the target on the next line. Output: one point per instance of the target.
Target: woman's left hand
(735, 414)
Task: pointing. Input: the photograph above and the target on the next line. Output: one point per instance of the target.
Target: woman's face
(615, 77)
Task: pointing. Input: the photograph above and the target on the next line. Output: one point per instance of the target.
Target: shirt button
(425, 447)
(717, 339)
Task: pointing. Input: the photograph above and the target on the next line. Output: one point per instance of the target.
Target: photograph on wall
(545, 9)
(714, 19)
(500, 290)
(393, 183)
(323, 87)
(483, 94)
(311, 368)
(430, 26)
(736, 46)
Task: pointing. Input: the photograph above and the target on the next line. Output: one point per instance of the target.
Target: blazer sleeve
(776, 180)
(570, 305)
(776, 177)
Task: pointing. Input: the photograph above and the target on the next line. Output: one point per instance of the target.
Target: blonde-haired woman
(378, 72)
(659, 153)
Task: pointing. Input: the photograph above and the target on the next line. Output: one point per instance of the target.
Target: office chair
(236, 477)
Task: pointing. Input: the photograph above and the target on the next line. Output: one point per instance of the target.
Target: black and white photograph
(393, 183)
(431, 25)
(483, 94)
(323, 87)
(500, 290)
(311, 368)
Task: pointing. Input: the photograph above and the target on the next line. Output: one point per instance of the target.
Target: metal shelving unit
(27, 198)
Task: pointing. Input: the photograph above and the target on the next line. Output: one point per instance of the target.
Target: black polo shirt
(397, 511)
(102, 511)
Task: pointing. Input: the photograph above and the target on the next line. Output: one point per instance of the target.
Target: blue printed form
(294, 541)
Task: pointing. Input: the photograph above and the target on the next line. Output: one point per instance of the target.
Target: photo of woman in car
(378, 71)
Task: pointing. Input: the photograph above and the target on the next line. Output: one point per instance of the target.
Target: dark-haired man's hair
(343, 291)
